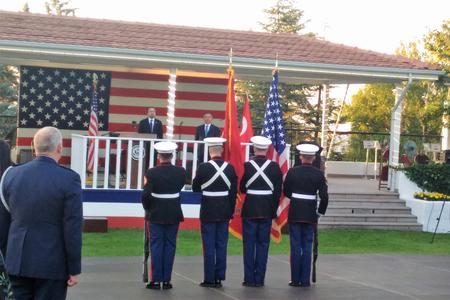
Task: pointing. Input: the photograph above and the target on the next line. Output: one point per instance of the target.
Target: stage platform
(345, 277)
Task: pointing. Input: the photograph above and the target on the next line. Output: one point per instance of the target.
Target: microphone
(179, 130)
(116, 134)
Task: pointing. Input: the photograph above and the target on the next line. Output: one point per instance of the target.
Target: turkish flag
(232, 150)
(246, 126)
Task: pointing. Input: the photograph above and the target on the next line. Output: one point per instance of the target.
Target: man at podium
(153, 126)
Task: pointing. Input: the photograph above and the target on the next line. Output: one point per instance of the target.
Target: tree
(8, 84)
(437, 43)
(283, 17)
(26, 8)
(59, 8)
(424, 106)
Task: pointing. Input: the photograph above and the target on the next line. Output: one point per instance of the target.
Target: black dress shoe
(305, 284)
(167, 286)
(208, 284)
(295, 284)
(218, 283)
(248, 284)
(259, 284)
(153, 285)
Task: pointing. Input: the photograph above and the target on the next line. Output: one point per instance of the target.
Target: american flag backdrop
(274, 129)
(62, 98)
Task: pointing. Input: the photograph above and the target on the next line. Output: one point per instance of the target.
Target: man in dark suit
(150, 125)
(41, 218)
(203, 131)
(161, 201)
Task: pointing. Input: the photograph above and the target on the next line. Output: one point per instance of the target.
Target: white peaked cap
(165, 147)
(260, 142)
(307, 149)
(215, 141)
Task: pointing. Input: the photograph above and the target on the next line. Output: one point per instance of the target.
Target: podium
(135, 154)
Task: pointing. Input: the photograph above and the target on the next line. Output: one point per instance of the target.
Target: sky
(378, 25)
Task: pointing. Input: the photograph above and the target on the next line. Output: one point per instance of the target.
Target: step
(410, 226)
(363, 203)
(367, 210)
(387, 218)
(363, 195)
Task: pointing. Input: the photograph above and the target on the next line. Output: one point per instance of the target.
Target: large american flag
(62, 98)
(274, 129)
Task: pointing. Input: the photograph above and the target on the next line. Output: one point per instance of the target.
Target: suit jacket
(163, 179)
(216, 209)
(45, 220)
(214, 131)
(144, 127)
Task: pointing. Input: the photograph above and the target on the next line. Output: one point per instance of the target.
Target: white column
(324, 141)
(171, 104)
(394, 142)
(445, 133)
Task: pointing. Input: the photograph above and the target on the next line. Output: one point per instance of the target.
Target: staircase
(368, 211)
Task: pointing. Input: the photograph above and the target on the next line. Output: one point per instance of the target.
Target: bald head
(48, 141)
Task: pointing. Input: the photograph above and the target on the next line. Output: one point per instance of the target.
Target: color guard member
(161, 201)
(301, 185)
(217, 181)
(261, 183)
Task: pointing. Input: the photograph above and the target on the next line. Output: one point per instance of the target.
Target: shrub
(431, 178)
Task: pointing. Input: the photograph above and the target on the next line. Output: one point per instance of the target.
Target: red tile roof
(180, 39)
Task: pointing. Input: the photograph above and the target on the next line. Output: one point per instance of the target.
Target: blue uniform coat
(42, 232)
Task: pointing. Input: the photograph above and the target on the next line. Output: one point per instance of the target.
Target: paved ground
(339, 277)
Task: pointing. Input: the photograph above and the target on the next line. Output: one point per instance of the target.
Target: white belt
(303, 196)
(166, 196)
(215, 194)
(259, 192)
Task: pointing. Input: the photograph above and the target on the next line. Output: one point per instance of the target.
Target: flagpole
(275, 70)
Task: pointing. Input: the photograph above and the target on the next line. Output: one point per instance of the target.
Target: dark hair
(5, 157)
(166, 156)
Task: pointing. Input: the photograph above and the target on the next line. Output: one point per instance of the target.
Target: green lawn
(129, 242)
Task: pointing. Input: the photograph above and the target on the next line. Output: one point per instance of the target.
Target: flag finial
(275, 70)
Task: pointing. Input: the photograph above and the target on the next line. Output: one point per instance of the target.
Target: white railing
(113, 170)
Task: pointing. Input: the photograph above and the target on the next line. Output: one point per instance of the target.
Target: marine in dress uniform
(217, 181)
(262, 183)
(161, 201)
(41, 220)
(301, 185)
